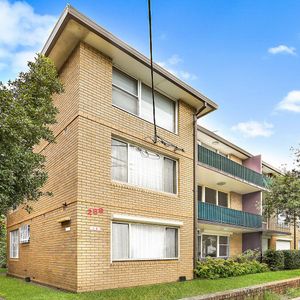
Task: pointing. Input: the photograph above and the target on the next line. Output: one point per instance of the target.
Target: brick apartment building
(126, 211)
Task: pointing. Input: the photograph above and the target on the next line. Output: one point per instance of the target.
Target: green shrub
(213, 268)
(291, 259)
(248, 255)
(274, 259)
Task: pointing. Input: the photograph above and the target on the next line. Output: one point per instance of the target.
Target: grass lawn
(15, 289)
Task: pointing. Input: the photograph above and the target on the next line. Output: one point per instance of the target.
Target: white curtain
(120, 241)
(171, 242)
(145, 168)
(164, 108)
(14, 244)
(169, 175)
(147, 241)
(119, 160)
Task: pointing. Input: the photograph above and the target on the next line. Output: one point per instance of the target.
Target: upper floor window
(136, 98)
(212, 196)
(143, 168)
(14, 244)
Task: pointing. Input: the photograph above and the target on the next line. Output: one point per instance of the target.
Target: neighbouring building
(127, 211)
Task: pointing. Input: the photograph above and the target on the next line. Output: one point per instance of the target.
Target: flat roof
(73, 27)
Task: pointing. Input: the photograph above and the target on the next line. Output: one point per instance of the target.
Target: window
(130, 162)
(14, 244)
(125, 92)
(24, 234)
(136, 98)
(210, 196)
(222, 199)
(213, 196)
(214, 246)
(141, 241)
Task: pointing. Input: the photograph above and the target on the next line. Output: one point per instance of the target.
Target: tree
(284, 198)
(2, 243)
(26, 111)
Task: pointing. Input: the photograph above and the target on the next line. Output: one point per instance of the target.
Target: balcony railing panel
(226, 165)
(224, 215)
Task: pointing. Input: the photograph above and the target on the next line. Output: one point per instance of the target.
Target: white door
(283, 245)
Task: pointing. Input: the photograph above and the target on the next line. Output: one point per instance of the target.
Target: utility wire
(151, 67)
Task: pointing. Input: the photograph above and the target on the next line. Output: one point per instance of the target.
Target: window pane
(209, 245)
(222, 199)
(124, 81)
(210, 196)
(165, 109)
(223, 240)
(124, 101)
(147, 241)
(223, 250)
(120, 238)
(165, 112)
(145, 168)
(14, 244)
(169, 175)
(119, 160)
(199, 193)
(171, 242)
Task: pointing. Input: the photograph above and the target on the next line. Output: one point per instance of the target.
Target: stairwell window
(143, 168)
(143, 242)
(14, 244)
(135, 97)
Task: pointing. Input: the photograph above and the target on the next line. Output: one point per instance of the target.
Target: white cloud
(171, 65)
(22, 33)
(282, 49)
(290, 102)
(254, 129)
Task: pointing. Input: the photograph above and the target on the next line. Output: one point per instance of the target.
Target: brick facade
(79, 166)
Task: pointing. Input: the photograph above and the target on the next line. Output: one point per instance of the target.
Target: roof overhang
(73, 28)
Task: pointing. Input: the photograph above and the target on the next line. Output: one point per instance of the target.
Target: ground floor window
(141, 241)
(213, 246)
(14, 244)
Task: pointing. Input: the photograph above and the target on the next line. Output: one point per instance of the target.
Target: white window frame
(16, 232)
(218, 244)
(142, 259)
(139, 101)
(217, 195)
(128, 173)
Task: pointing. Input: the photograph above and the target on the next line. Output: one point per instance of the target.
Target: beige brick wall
(98, 122)
(235, 244)
(236, 201)
(79, 174)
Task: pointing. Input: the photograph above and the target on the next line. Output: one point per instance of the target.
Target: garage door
(283, 245)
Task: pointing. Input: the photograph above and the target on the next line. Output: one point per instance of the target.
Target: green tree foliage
(284, 197)
(2, 243)
(26, 111)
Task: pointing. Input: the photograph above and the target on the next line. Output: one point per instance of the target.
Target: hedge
(274, 259)
(213, 268)
(291, 259)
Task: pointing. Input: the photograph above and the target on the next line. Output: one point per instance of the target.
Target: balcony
(224, 164)
(273, 225)
(222, 215)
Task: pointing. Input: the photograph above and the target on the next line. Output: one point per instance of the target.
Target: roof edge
(71, 13)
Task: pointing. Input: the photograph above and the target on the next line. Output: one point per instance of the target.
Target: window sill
(145, 260)
(137, 188)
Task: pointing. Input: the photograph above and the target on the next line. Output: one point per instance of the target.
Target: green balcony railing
(223, 215)
(226, 165)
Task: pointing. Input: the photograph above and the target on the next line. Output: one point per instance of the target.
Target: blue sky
(244, 55)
